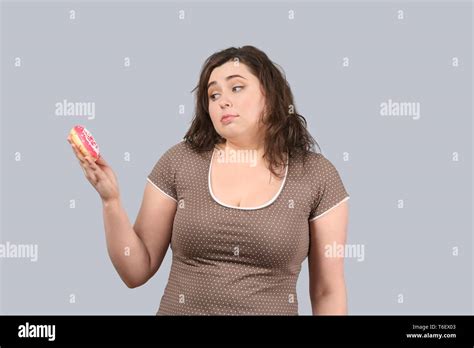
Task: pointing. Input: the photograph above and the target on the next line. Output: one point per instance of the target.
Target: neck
(258, 148)
(234, 145)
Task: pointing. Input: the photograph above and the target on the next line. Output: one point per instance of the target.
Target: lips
(227, 116)
(225, 119)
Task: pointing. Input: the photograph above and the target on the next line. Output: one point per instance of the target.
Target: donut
(84, 141)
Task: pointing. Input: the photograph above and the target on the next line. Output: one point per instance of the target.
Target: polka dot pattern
(232, 261)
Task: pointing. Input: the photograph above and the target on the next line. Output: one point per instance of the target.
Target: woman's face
(234, 90)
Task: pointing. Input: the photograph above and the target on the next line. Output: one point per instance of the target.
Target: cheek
(252, 108)
(214, 112)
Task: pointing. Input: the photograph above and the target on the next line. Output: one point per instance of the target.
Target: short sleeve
(328, 188)
(163, 174)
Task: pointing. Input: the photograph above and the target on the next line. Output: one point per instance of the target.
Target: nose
(224, 102)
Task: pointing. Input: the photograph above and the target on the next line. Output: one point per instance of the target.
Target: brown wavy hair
(286, 130)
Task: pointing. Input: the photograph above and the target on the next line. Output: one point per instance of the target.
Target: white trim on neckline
(209, 187)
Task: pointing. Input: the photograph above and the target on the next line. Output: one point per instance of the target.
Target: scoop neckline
(275, 197)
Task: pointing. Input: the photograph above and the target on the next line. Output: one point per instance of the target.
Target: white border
(161, 190)
(327, 211)
(244, 208)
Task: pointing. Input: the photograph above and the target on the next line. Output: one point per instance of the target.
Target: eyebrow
(227, 79)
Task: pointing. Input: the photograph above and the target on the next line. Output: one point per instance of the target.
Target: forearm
(330, 303)
(127, 251)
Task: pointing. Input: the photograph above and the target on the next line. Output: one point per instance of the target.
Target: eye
(212, 95)
(237, 87)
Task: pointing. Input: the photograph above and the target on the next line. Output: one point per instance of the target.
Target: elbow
(136, 279)
(132, 284)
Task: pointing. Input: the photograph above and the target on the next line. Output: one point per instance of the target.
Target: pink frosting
(87, 140)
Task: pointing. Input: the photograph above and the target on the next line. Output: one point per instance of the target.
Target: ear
(264, 111)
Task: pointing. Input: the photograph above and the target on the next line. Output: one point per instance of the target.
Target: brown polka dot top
(239, 261)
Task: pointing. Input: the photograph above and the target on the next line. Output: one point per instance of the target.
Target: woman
(239, 226)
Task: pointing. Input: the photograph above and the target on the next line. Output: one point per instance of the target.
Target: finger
(85, 166)
(93, 179)
(91, 163)
(101, 161)
(99, 174)
(79, 150)
(84, 170)
(90, 175)
(69, 139)
(78, 153)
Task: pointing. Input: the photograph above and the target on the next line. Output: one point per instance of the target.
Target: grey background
(407, 251)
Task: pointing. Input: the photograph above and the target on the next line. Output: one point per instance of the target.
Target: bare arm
(137, 252)
(326, 273)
